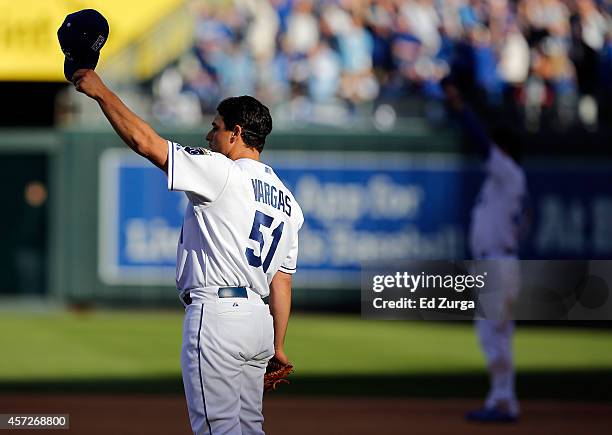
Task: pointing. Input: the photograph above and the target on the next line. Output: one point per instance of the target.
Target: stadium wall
(367, 196)
(83, 163)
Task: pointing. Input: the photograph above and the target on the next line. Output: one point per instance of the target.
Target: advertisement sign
(368, 207)
(358, 208)
(140, 221)
(29, 50)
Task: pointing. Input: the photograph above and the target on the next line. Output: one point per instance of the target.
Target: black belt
(223, 292)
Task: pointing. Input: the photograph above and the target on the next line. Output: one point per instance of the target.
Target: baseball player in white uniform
(496, 224)
(238, 244)
(494, 234)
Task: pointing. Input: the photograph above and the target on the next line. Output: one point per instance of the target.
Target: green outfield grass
(133, 345)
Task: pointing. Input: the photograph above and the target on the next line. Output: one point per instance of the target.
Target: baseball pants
(495, 332)
(227, 343)
(496, 342)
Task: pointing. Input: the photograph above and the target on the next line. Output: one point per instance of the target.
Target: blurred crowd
(323, 61)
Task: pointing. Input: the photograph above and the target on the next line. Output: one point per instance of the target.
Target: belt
(223, 292)
(232, 292)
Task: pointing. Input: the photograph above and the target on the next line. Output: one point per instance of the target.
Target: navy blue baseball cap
(81, 36)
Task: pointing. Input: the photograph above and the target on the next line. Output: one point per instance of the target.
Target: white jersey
(498, 210)
(241, 223)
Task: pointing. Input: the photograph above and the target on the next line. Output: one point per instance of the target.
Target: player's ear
(236, 132)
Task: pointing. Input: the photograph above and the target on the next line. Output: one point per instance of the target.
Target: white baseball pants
(227, 343)
(496, 342)
(496, 332)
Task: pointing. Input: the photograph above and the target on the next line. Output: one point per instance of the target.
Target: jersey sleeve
(290, 263)
(198, 171)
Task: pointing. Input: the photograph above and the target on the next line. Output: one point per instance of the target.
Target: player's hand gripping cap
(276, 373)
(81, 36)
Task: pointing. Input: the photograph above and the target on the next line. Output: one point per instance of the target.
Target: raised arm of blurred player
(470, 124)
(136, 133)
(280, 307)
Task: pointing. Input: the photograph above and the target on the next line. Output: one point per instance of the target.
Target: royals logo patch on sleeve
(197, 151)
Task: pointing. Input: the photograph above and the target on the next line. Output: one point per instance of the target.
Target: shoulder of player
(499, 161)
(197, 151)
(259, 170)
(282, 185)
(299, 215)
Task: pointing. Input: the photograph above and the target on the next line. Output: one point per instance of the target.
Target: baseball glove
(276, 373)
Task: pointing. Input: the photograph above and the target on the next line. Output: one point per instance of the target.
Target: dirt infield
(166, 414)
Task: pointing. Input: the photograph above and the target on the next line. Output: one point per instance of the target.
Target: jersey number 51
(256, 234)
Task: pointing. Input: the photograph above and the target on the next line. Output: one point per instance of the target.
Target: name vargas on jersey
(270, 195)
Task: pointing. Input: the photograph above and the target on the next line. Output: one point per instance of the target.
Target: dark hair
(251, 115)
(508, 139)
